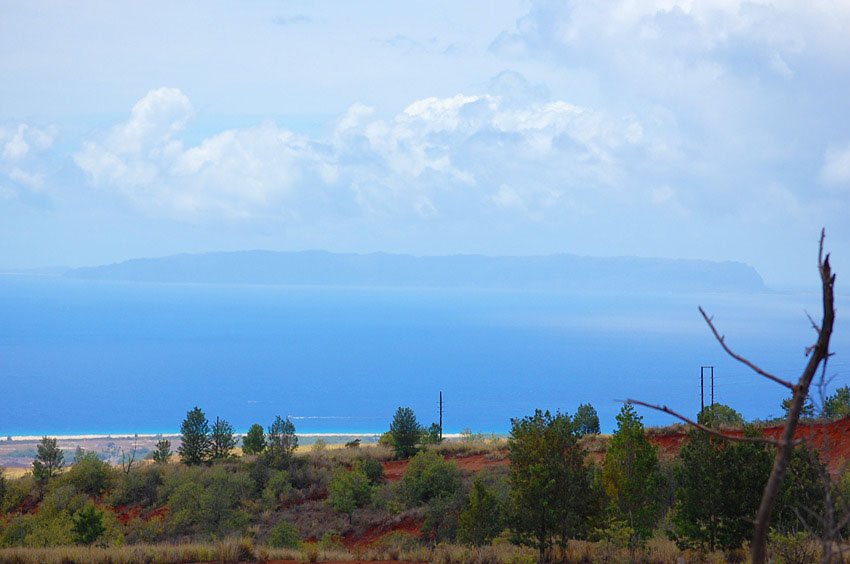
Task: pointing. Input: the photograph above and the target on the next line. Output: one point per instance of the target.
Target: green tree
(89, 474)
(255, 441)
(432, 435)
(551, 493)
(428, 477)
(349, 490)
(222, 440)
(195, 447)
(720, 415)
(49, 460)
(88, 524)
(719, 485)
(373, 469)
(163, 453)
(631, 475)
(405, 432)
(282, 442)
(586, 420)
(284, 535)
(806, 412)
(802, 500)
(483, 517)
(837, 405)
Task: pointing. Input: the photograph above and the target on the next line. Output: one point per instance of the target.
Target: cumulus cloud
(436, 156)
(20, 150)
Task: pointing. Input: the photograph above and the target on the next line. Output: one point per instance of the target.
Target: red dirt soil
(394, 469)
(375, 534)
(830, 438)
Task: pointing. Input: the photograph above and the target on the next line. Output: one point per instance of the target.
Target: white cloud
(25, 138)
(436, 156)
(20, 151)
(836, 166)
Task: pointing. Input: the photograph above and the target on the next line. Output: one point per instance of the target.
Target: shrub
(349, 490)
(277, 488)
(139, 486)
(283, 535)
(90, 474)
(483, 516)
(428, 476)
(88, 524)
(373, 469)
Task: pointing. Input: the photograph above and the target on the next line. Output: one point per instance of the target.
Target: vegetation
(194, 438)
(222, 440)
(405, 432)
(49, 460)
(586, 420)
(255, 441)
(163, 453)
(837, 405)
(281, 443)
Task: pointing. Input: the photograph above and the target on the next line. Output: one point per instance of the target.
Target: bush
(88, 524)
(90, 474)
(283, 535)
(277, 488)
(139, 486)
(373, 469)
(428, 476)
(349, 490)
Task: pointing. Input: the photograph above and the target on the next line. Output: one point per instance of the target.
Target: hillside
(319, 268)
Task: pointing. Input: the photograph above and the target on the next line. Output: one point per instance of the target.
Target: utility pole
(441, 416)
(702, 371)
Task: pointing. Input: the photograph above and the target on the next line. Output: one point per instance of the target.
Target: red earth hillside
(830, 438)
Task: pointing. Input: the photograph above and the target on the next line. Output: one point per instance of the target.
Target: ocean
(83, 357)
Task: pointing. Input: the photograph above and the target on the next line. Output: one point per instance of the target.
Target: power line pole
(441, 416)
(702, 371)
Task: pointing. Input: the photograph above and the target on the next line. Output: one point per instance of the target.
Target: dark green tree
(631, 476)
(431, 435)
(222, 440)
(49, 460)
(255, 441)
(806, 412)
(802, 500)
(163, 453)
(720, 415)
(837, 405)
(373, 469)
(405, 432)
(195, 446)
(281, 443)
(483, 517)
(349, 490)
(551, 494)
(88, 524)
(719, 486)
(586, 420)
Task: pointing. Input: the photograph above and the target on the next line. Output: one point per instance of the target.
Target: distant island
(542, 272)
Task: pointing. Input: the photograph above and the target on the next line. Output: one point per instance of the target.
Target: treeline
(564, 482)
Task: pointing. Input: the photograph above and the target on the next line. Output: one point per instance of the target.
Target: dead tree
(818, 355)
(127, 460)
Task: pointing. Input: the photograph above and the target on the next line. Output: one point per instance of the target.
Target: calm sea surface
(104, 357)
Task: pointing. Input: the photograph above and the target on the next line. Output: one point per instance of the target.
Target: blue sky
(716, 129)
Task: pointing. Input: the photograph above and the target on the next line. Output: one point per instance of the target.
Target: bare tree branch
(709, 430)
(722, 340)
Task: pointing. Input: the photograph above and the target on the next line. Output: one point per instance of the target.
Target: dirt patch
(409, 525)
(472, 463)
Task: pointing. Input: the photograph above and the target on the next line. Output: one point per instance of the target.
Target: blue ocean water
(107, 357)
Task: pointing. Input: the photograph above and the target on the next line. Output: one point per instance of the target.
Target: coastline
(150, 436)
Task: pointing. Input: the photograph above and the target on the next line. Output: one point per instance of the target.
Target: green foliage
(349, 490)
(427, 477)
(720, 415)
(283, 535)
(222, 440)
(255, 441)
(631, 475)
(207, 499)
(373, 469)
(90, 474)
(405, 432)
(719, 486)
(806, 412)
(837, 405)
(163, 453)
(88, 524)
(276, 488)
(441, 517)
(793, 548)
(433, 435)
(139, 486)
(483, 517)
(282, 443)
(49, 460)
(802, 498)
(551, 493)
(3, 487)
(195, 447)
(586, 420)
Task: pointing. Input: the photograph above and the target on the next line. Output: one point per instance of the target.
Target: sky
(710, 129)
